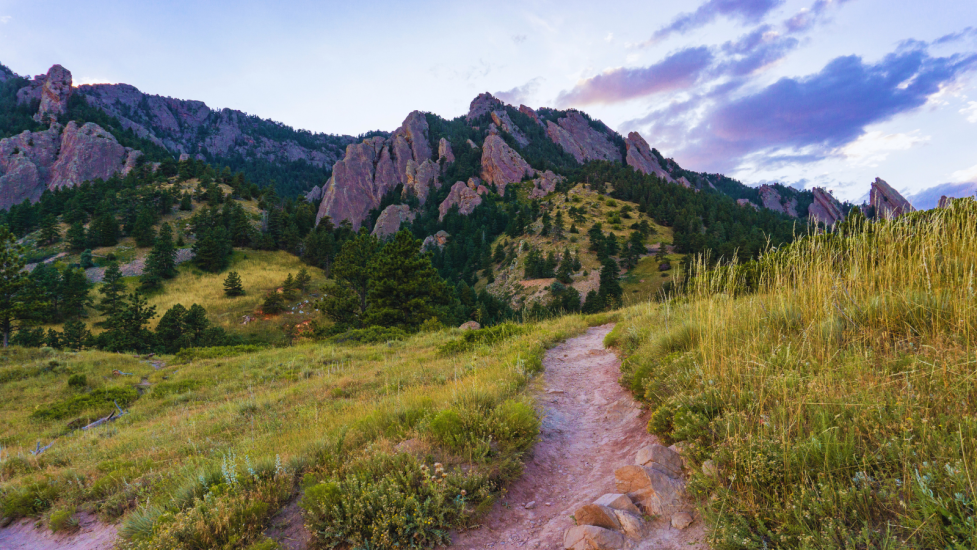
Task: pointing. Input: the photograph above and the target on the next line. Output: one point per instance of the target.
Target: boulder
(54, 94)
(501, 165)
(595, 514)
(421, 179)
(886, 202)
(439, 239)
(391, 219)
(617, 501)
(825, 208)
(501, 119)
(681, 520)
(710, 469)
(444, 152)
(461, 195)
(641, 158)
(772, 200)
(655, 492)
(664, 266)
(661, 458)
(482, 105)
(684, 182)
(746, 202)
(132, 160)
(184, 157)
(589, 537)
(576, 136)
(632, 525)
(545, 184)
(470, 325)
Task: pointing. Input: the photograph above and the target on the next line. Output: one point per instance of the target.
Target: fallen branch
(114, 416)
(40, 449)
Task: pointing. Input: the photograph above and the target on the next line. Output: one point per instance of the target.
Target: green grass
(220, 437)
(837, 398)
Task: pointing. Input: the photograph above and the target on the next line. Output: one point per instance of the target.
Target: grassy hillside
(216, 440)
(827, 393)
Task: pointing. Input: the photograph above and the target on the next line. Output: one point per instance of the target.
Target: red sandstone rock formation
(825, 208)
(444, 152)
(421, 179)
(501, 165)
(391, 219)
(887, 202)
(545, 184)
(58, 157)
(773, 201)
(575, 135)
(642, 159)
(501, 119)
(462, 195)
(484, 104)
(530, 113)
(746, 202)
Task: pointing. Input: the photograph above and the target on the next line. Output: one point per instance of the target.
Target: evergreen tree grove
(232, 285)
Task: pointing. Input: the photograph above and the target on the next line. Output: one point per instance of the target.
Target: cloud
(808, 17)
(520, 94)
(826, 110)
(519, 38)
(754, 51)
(747, 11)
(965, 175)
(679, 70)
(930, 198)
(873, 147)
(959, 35)
(970, 111)
(5, 19)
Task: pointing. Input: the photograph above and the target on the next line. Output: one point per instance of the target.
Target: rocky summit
(501, 164)
(641, 158)
(886, 202)
(576, 136)
(825, 209)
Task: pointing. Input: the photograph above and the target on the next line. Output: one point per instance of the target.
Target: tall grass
(833, 384)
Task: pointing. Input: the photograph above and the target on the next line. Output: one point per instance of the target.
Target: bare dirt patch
(91, 535)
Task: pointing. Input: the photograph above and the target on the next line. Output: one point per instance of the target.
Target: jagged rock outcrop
(314, 195)
(187, 126)
(545, 184)
(684, 182)
(501, 164)
(472, 144)
(391, 219)
(772, 200)
(371, 169)
(445, 155)
(887, 202)
(641, 158)
(945, 201)
(528, 111)
(825, 208)
(465, 196)
(575, 135)
(482, 105)
(439, 239)
(31, 162)
(52, 90)
(747, 202)
(421, 179)
(501, 119)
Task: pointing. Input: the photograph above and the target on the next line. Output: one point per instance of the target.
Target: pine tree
(75, 335)
(186, 203)
(77, 238)
(274, 303)
(143, 232)
(19, 298)
(213, 249)
(49, 230)
(610, 288)
(303, 279)
(352, 265)
(130, 327)
(404, 287)
(113, 293)
(565, 272)
(662, 254)
(161, 263)
(75, 293)
(232, 285)
(85, 260)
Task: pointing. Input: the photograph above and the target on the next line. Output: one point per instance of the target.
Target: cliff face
(642, 159)
(773, 201)
(576, 136)
(501, 164)
(58, 157)
(187, 126)
(466, 196)
(887, 202)
(371, 169)
(825, 208)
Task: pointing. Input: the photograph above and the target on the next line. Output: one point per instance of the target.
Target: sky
(829, 93)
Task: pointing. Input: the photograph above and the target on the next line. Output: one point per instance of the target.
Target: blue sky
(804, 92)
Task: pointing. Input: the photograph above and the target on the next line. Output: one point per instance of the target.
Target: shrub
(482, 337)
(28, 500)
(77, 381)
(63, 520)
(99, 400)
(371, 335)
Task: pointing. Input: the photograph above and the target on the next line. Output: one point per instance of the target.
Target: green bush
(77, 381)
(371, 335)
(392, 502)
(28, 500)
(63, 521)
(100, 400)
(482, 337)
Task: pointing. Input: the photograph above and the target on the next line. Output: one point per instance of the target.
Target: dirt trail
(591, 427)
(91, 535)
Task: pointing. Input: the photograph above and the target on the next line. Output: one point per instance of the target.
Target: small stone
(555, 391)
(618, 501)
(631, 524)
(530, 505)
(681, 520)
(710, 469)
(661, 458)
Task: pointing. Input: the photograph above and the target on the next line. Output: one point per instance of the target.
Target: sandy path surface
(91, 535)
(591, 427)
